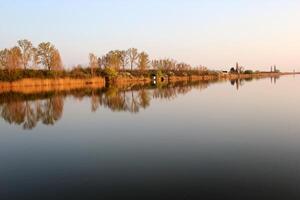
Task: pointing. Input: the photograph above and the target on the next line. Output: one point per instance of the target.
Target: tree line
(131, 59)
(26, 56)
(133, 62)
(24, 60)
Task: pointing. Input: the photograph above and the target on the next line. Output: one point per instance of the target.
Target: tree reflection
(13, 112)
(27, 110)
(52, 110)
(95, 102)
(31, 117)
(144, 98)
(114, 99)
(28, 113)
(134, 105)
(170, 92)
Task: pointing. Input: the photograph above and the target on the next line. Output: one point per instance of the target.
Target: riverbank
(31, 85)
(121, 80)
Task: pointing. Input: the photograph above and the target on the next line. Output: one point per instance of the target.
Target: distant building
(237, 67)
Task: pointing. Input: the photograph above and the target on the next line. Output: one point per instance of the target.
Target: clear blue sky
(214, 33)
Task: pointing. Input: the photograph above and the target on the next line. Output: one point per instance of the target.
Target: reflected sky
(199, 140)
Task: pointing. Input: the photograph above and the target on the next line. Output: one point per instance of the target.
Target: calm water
(225, 139)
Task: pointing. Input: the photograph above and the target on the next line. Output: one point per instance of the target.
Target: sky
(213, 33)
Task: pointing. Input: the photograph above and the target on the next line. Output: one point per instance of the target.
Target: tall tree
(113, 59)
(154, 64)
(35, 57)
(124, 59)
(103, 62)
(133, 56)
(56, 62)
(93, 62)
(143, 62)
(14, 58)
(100, 62)
(45, 53)
(4, 55)
(26, 49)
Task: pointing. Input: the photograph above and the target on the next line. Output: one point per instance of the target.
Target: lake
(229, 139)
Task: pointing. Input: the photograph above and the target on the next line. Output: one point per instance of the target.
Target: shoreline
(33, 85)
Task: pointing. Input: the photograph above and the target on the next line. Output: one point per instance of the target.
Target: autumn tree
(113, 59)
(182, 66)
(45, 53)
(124, 59)
(4, 54)
(93, 62)
(154, 64)
(26, 50)
(169, 64)
(56, 62)
(133, 56)
(143, 61)
(34, 57)
(100, 62)
(14, 58)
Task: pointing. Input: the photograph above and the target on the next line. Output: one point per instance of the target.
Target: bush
(170, 73)
(78, 73)
(248, 72)
(18, 74)
(159, 73)
(110, 72)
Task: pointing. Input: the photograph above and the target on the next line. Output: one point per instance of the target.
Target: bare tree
(93, 62)
(45, 52)
(133, 56)
(14, 58)
(124, 59)
(35, 57)
(4, 54)
(56, 62)
(143, 62)
(26, 50)
(100, 62)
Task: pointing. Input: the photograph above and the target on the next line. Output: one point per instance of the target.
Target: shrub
(159, 73)
(110, 72)
(248, 72)
(78, 72)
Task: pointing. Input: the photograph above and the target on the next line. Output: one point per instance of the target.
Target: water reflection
(196, 140)
(238, 83)
(27, 110)
(17, 109)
